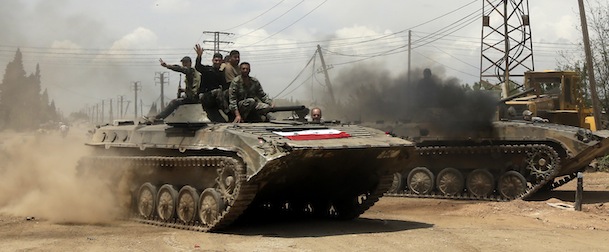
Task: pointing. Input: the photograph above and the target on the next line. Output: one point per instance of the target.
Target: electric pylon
(506, 46)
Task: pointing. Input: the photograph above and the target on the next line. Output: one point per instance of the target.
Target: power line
(446, 65)
(293, 7)
(298, 75)
(421, 24)
(397, 49)
(275, 53)
(458, 59)
(271, 55)
(316, 7)
(239, 25)
(434, 36)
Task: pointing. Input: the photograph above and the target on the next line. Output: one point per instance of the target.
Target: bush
(601, 164)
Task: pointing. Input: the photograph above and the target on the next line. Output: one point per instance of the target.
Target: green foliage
(598, 25)
(22, 106)
(602, 164)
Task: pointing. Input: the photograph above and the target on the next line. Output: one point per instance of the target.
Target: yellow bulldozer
(555, 96)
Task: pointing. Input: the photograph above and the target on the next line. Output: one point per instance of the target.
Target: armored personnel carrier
(191, 173)
(504, 160)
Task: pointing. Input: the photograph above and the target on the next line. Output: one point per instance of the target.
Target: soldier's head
(316, 115)
(527, 115)
(245, 69)
(234, 57)
(427, 73)
(217, 60)
(511, 111)
(186, 61)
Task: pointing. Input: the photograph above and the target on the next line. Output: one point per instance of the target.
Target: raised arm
(199, 51)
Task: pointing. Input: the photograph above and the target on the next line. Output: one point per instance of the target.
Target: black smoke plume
(368, 94)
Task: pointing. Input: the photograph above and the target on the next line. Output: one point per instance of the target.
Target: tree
(600, 27)
(45, 114)
(53, 110)
(30, 103)
(22, 106)
(10, 92)
(598, 24)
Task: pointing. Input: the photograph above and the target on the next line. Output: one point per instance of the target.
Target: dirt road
(37, 180)
(393, 224)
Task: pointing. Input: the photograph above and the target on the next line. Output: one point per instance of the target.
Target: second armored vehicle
(505, 160)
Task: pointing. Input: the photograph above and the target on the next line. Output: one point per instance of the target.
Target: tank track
(357, 206)
(342, 208)
(488, 150)
(384, 185)
(563, 180)
(244, 192)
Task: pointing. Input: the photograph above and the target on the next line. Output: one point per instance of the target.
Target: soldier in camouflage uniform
(231, 67)
(245, 94)
(191, 89)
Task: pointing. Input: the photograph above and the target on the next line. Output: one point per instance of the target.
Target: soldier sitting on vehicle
(245, 95)
(527, 115)
(213, 86)
(191, 90)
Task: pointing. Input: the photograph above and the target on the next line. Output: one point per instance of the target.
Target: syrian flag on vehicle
(316, 134)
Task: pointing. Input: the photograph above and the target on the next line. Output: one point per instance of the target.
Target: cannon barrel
(284, 108)
(300, 110)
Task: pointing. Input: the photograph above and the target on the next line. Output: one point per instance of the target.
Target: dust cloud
(38, 178)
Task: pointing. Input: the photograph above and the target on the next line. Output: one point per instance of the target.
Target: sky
(91, 52)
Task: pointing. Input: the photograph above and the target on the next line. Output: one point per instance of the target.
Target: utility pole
(409, 53)
(325, 69)
(127, 106)
(118, 114)
(119, 106)
(136, 87)
(590, 66)
(88, 111)
(216, 40)
(162, 78)
(97, 113)
(102, 112)
(110, 114)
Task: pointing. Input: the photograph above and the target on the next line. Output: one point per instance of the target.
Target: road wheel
(211, 206)
(512, 184)
(450, 181)
(397, 184)
(480, 183)
(145, 200)
(420, 180)
(188, 199)
(166, 202)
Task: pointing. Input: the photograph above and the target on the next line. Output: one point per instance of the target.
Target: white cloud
(564, 28)
(139, 38)
(65, 44)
